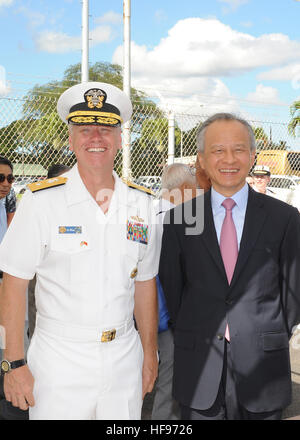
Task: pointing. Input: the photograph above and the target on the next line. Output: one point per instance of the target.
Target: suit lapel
(254, 220)
(209, 235)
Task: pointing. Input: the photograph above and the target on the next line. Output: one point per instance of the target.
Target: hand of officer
(150, 371)
(18, 387)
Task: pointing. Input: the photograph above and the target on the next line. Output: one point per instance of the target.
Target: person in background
(7, 210)
(91, 241)
(261, 178)
(178, 184)
(203, 181)
(10, 205)
(57, 169)
(7, 197)
(250, 180)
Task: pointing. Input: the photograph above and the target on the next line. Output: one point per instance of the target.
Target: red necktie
(228, 245)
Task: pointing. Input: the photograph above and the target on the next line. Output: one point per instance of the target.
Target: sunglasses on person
(10, 178)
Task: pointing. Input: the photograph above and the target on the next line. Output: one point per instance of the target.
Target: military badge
(137, 232)
(70, 229)
(95, 98)
(137, 219)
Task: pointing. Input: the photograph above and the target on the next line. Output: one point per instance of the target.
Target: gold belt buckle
(108, 335)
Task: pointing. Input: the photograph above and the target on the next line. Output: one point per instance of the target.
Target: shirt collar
(163, 205)
(76, 191)
(240, 198)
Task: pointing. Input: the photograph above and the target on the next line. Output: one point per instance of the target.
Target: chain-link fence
(33, 137)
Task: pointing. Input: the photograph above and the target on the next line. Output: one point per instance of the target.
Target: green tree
(103, 72)
(295, 122)
(262, 139)
(150, 148)
(41, 136)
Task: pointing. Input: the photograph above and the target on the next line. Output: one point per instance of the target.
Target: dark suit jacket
(261, 305)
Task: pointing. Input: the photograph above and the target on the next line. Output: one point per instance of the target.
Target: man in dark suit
(231, 324)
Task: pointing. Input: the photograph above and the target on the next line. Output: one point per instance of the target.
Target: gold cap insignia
(95, 98)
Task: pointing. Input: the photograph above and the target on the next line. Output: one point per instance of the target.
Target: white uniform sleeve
(23, 245)
(148, 265)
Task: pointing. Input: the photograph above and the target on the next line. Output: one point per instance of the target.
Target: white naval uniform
(85, 284)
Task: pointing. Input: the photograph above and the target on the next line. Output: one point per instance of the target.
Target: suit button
(220, 337)
(229, 302)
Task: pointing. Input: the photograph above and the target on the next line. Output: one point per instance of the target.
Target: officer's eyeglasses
(10, 178)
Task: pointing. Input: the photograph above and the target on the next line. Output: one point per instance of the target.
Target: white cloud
(34, 18)
(160, 15)
(4, 89)
(233, 4)
(188, 63)
(207, 47)
(6, 2)
(109, 17)
(247, 24)
(285, 73)
(59, 42)
(4, 86)
(265, 95)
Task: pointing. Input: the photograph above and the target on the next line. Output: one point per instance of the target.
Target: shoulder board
(138, 187)
(48, 183)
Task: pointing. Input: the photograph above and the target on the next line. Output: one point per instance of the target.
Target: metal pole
(85, 41)
(171, 138)
(126, 88)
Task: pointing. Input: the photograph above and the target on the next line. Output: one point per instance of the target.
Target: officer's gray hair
(176, 175)
(223, 117)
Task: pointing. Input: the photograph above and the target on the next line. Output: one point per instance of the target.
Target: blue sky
(235, 55)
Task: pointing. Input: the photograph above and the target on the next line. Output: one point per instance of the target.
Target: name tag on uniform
(137, 232)
(70, 229)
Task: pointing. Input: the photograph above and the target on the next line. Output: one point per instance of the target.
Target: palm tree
(295, 112)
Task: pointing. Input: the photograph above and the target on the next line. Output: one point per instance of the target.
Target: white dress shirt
(238, 211)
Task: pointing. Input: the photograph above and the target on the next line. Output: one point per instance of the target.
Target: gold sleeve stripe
(95, 113)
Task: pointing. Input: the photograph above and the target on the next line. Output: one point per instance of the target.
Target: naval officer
(90, 239)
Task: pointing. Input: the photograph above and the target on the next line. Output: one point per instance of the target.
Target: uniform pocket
(72, 256)
(81, 265)
(275, 341)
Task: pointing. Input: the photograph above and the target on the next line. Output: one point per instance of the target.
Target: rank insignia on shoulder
(48, 183)
(138, 187)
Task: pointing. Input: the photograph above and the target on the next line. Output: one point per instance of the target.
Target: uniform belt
(96, 334)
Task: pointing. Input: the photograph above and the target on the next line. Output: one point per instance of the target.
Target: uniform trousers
(226, 405)
(86, 380)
